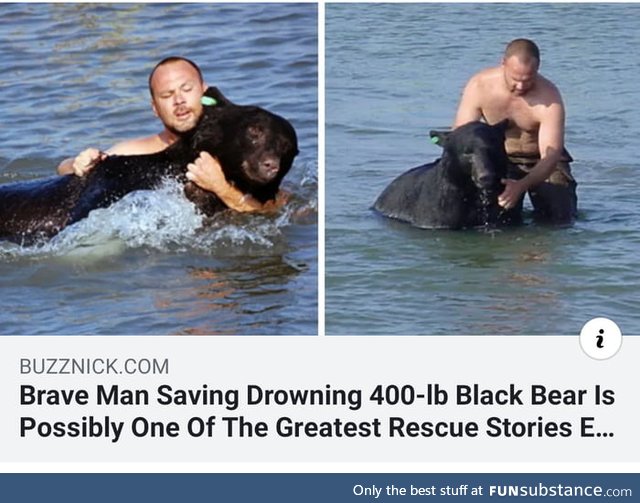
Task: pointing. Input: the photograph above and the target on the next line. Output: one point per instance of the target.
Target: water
(395, 71)
(75, 75)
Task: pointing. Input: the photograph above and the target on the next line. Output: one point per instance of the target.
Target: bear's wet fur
(255, 148)
(459, 190)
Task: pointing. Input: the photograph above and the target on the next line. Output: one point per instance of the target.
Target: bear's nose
(270, 167)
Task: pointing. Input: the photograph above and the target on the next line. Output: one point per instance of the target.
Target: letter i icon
(600, 338)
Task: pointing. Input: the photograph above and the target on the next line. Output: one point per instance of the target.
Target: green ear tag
(435, 139)
(208, 101)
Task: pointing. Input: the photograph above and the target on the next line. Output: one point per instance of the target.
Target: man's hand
(207, 173)
(83, 163)
(511, 193)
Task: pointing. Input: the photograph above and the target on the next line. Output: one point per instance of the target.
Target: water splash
(163, 220)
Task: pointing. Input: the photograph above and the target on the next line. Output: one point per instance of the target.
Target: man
(176, 86)
(535, 135)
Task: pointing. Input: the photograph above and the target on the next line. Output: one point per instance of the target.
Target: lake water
(395, 71)
(75, 75)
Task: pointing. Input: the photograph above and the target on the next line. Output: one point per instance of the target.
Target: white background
(344, 362)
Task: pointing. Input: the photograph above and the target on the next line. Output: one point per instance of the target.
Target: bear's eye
(255, 135)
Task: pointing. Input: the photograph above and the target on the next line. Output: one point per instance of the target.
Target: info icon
(600, 338)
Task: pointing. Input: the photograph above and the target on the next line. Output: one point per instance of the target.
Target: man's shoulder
(548, 94)
(139, 146)
(484, 79)
(486, 74)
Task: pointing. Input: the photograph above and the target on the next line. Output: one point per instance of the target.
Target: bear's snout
(262, 168)
(269, 167)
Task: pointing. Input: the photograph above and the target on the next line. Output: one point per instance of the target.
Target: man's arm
(89, 157)
(551, 145)
(82, 163)
(206, 172)
(469, 109)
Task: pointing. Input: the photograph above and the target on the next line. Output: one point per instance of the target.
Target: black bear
(459, 190)
(255, 148)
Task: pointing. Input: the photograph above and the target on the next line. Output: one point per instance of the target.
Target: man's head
(520, 66)
(176, 86)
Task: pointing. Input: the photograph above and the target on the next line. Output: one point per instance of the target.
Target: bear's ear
(214, 92)
(502, 125)
(439, 137)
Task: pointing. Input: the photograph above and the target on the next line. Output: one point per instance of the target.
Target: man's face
(177, 91)
(519, 76)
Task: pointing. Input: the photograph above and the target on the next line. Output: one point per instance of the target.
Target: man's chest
(517, 110)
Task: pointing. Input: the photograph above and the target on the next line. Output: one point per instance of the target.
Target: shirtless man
(176, 86)
(535, 135)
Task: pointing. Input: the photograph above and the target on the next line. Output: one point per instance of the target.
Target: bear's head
(475, 152)
(476, 160)
(256, 148)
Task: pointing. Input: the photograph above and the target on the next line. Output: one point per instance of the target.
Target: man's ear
(439, 137)
(153, 107)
